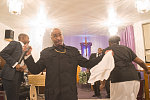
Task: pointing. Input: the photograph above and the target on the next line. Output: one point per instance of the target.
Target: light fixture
(15, 6)
(112, 22)
(113, 30)
(142, 6)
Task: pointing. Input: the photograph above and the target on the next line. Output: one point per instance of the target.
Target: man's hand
(18, 67)
(102, 84)
(29, 52)
(25, 48)
(22, 68)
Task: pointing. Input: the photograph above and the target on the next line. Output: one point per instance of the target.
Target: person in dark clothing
(0, 67)
(61, 63)
(12, 72)
(0, 63)
(124, 77)
(107, 86)
(96, 86)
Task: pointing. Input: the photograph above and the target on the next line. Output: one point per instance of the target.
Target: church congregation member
(12, 72)
(96, 86)
(107, 87)
(105, 83)
(61, 63)
(125, 82)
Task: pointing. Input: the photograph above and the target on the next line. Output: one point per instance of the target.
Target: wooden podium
(147, 83)
(35, 80)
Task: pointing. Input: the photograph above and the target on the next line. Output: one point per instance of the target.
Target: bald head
(54, 30)
(57, 37)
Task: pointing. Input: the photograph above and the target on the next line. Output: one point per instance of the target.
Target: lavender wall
(97, 41)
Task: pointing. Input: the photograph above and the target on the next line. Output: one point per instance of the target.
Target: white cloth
(124, 90)
(102, 70)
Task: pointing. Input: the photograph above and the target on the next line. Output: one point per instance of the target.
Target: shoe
(108, 96)
(100, 97)
(94, 96)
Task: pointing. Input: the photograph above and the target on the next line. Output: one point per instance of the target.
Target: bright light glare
(113, 22)
(111, 13)
(113, 30)
(42, 21)
(38, 26)
(143, 5)
(15, 6)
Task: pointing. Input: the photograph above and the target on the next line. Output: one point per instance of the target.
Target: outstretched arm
(83, 62)
(142, 64)
(33, 67)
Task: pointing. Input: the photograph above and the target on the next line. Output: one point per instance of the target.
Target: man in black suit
(12, 72)
(61, 63)
(96, 86)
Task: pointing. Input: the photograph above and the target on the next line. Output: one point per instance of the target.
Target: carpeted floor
(85, 92)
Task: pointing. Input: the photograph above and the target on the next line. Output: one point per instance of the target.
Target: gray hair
(114, 39)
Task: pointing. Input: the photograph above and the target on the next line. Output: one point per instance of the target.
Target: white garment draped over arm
(103, 69)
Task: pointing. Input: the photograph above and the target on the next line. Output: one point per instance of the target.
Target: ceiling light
(15, 6)
(113, 30)
(112, 22)
(142, 5)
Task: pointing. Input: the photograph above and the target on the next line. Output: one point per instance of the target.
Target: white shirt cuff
(17, 62)
(14, 65)
(26, 57)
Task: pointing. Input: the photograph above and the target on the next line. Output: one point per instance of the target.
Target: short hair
(100, 48)
(114, 39)
(21, 36)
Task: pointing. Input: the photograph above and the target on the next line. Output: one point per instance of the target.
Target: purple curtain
(127, 38)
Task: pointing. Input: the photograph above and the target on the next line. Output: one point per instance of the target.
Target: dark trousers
(96, 88)
(107, 86)
(11, 87)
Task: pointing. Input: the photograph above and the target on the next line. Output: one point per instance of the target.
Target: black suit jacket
(93, 55)
(11, 53)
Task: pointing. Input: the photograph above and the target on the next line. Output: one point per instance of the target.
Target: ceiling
(74, 17)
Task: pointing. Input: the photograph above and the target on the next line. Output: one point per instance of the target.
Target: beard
(58, 43)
